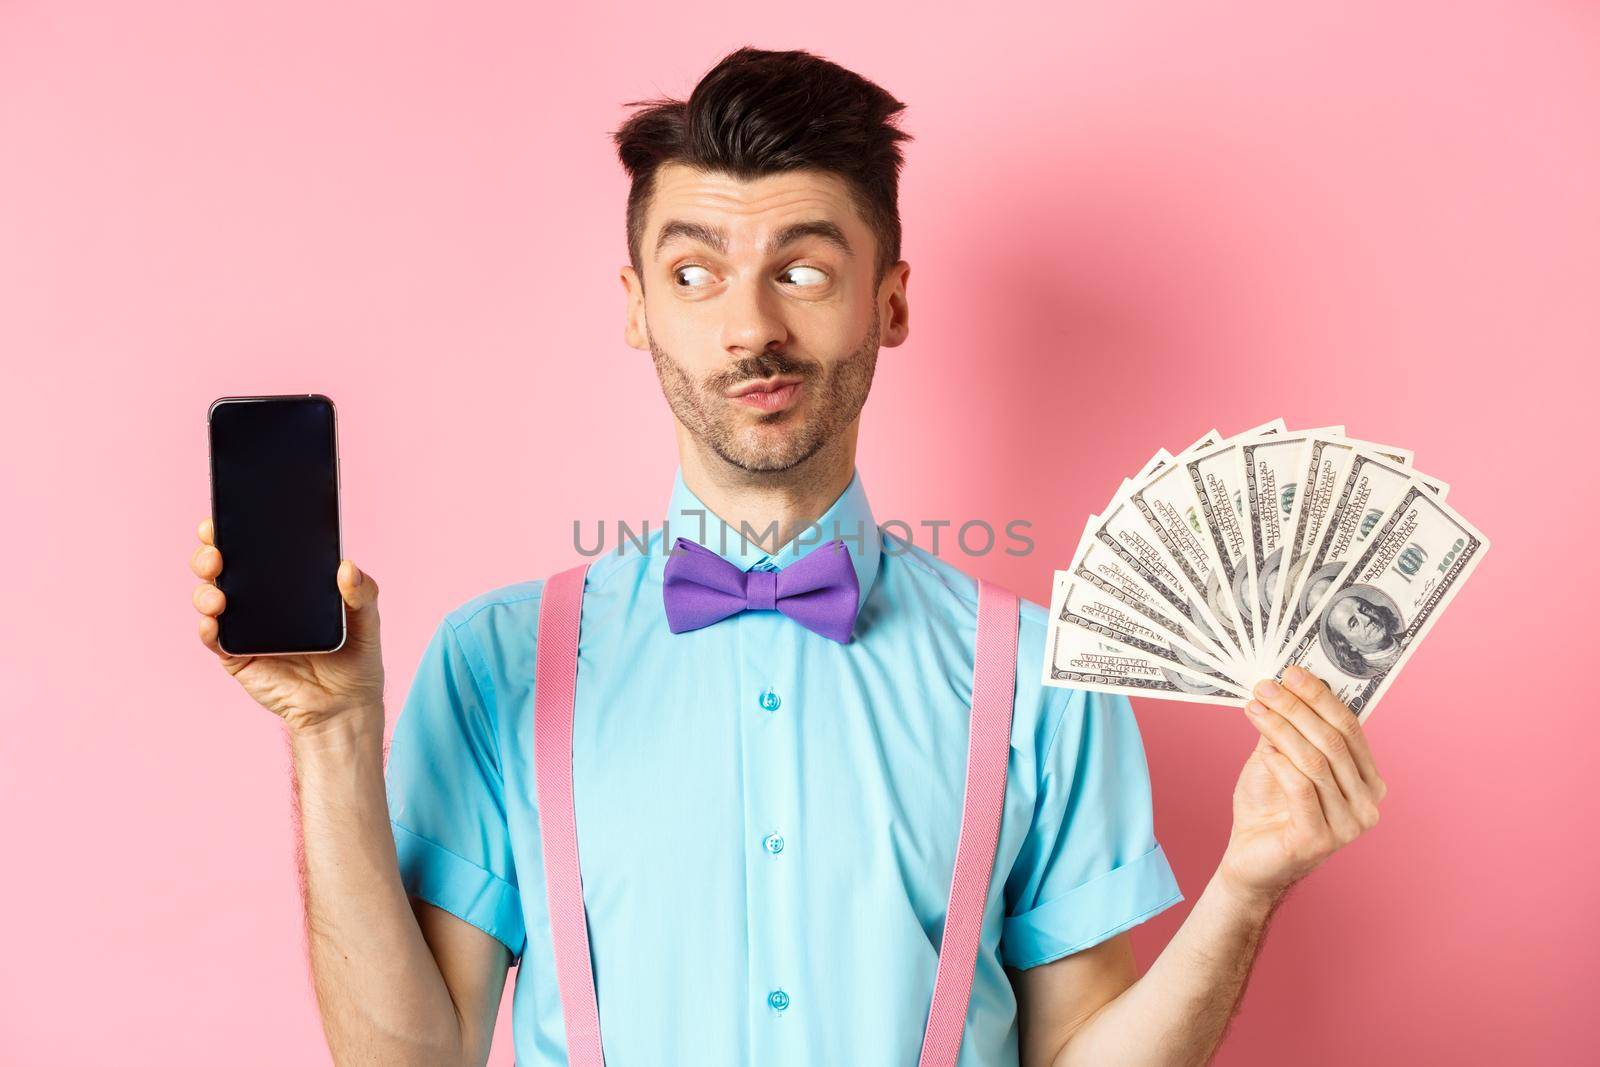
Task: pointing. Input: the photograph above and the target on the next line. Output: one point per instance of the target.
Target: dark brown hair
(759, 112)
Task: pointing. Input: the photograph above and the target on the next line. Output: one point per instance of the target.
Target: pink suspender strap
(988, 750)
(994, 679)
(555, 683)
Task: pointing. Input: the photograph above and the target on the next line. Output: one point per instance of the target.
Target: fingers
(1314, 692)
(206, 562)
(209, 600)
(1323, 753)
(1307, 757)
(208, 635)
(1305, 806)
(1331, 742)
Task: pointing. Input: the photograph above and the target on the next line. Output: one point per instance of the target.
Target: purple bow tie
(818, 590)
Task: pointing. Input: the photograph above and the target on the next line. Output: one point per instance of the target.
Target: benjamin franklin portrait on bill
(1361, 631)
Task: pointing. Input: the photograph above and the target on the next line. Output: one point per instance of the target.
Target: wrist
(1251, 904)
(353, 729)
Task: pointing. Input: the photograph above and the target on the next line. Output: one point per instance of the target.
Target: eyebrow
(676, 229)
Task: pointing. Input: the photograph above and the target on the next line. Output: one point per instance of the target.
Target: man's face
(1349, 617)
(763, 285)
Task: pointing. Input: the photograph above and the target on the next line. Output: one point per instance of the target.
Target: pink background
(1129, 222)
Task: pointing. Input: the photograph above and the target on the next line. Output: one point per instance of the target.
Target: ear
(633, 333)
(896, 308)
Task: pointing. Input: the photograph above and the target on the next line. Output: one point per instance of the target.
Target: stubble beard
(831, 400)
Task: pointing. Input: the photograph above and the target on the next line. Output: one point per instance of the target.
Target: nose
(751, 323)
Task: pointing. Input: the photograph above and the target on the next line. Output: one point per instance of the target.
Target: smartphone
(275, 517)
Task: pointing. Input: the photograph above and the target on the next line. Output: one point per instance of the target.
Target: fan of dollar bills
(1226, 563)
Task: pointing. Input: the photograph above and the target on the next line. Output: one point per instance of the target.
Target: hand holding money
(1310, 787)
(1242, 556)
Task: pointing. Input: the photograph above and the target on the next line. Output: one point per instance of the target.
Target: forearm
(1176, 1014)
(380, 992)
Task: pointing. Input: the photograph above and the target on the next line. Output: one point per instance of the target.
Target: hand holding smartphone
(296, 624)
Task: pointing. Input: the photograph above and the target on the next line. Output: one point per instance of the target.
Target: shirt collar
(848, 518)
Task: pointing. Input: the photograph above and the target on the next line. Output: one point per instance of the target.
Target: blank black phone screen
(275, 512)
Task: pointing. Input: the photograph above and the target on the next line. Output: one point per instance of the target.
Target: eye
(817, 276)
(678, 274)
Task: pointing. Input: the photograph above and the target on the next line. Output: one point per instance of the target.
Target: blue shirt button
(769, 700)
(774, 843)
(778, 999)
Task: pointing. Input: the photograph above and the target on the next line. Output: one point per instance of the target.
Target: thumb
(360, 592)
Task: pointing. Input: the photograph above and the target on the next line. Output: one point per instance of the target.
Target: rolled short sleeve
(1090, 866)
(446, 797)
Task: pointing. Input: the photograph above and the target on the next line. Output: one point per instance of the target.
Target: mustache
(766, 365)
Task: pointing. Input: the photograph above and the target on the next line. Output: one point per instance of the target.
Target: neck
(787, 500)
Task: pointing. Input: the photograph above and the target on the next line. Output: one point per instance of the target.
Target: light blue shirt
(767, 818)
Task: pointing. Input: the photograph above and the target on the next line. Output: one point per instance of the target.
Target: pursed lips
(768, 395)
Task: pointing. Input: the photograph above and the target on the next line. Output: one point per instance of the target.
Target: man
(767, 812)
(1362, 631)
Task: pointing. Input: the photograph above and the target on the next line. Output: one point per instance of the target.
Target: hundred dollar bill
(1080, 659)
(1168, 503)
(1217, 608)
(1269, 470)
(1266, 473)
(1156, 462)
(1146, 548)
(1106, 570)
(1212, 479)
(1205, 440)
(1082, 603)
(1324, 461)
(1388, 598)
(1369, 489)
(1154, 647)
